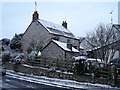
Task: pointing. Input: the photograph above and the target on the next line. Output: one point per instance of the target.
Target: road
(9, 83)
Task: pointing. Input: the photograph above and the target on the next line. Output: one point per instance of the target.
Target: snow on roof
(39, 53)
(64, 46)
(94, 59)
(56, 29)
(81, 47)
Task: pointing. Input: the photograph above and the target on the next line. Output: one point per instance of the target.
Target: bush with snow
(5, 44)
(6, 56)
(14, 57)
(18, 59)
(5, 41)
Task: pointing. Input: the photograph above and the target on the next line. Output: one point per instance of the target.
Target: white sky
(82, 17)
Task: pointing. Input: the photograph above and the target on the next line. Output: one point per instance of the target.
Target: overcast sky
(82, 17)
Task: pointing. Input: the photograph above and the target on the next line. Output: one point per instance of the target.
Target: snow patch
(93, 59)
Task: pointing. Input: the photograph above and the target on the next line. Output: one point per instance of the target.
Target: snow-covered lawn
(55, 82)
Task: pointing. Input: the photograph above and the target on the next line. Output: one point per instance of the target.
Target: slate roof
(56, 29)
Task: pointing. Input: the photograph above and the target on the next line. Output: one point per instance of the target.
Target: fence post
(16, 67)
(114, 75)
(109, 73)
(90, 68)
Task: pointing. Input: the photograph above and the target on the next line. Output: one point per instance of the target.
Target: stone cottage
(60, 50)
(43, 32)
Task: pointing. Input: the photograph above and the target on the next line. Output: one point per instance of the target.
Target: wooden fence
(61, 64)
(111, 73)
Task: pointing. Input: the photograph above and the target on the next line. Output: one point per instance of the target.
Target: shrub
(6, 56)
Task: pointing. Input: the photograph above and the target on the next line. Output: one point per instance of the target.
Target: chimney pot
(64, 24)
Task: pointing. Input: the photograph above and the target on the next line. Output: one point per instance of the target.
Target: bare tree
(36, 46)
(97, 40)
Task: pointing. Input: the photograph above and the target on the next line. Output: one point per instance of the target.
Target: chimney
(64, 24)
(69, 45)
(35, 16)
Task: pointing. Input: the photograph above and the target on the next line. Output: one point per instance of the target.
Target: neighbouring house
(60, 50)
(83, 47)
(116, 27)
(42, 32)
(82, 51)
